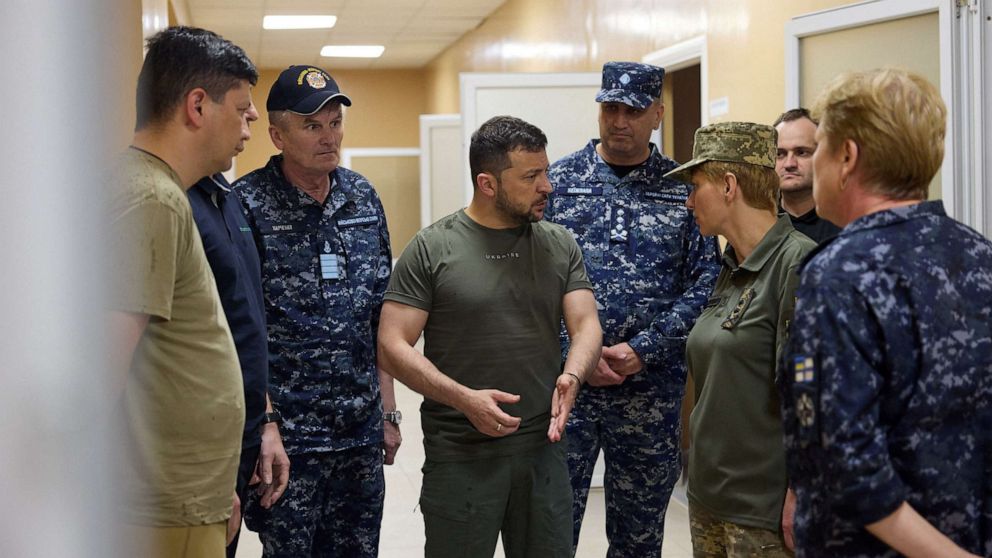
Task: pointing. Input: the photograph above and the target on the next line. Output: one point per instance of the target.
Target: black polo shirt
(812, 225)
(233, 257)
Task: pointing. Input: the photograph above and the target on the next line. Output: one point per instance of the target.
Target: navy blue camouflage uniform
(651, 271)
(325, 268)
(887, 383)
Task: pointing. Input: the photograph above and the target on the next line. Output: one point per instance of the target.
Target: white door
(442, 169)
(562, 105)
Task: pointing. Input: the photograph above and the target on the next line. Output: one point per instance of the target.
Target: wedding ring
(499, 426)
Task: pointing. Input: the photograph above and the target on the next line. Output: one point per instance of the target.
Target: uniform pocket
(444, 492)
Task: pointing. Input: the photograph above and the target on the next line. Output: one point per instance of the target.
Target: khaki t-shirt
(495, 303)
(182, 409)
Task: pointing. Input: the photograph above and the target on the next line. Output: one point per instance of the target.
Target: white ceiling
(413, 31)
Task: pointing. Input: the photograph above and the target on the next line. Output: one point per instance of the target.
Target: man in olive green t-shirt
(181, 406)
(488, 287)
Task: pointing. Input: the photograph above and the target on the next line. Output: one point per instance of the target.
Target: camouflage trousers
(639, 435)
(331, 508)
(714, 538)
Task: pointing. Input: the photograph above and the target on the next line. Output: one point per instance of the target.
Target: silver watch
(394, 417)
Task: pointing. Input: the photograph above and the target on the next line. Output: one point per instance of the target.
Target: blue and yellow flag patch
(805, 369)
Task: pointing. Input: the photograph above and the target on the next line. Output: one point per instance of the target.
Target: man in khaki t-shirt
(181, 409)
(489, 287)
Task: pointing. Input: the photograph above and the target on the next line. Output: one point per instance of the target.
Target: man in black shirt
(794, 165)
(230, 249)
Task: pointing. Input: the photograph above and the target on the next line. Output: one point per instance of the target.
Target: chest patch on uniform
(581, 191)
(664, 197)
(738, 312)
(278, 228)
(804, 369)
(805, 410)
(329, 266)
(358, 221)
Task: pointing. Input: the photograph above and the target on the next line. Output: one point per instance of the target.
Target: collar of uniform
(895, 215)
(222, 184)
(215, 187)
(808, 217)
(764, 250)
(341, 190)
(215, 184)
(652, 171)
(934, 208)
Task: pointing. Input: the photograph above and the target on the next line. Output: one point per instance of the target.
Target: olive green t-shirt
(494, 298)
(737, 457)
(182, 409)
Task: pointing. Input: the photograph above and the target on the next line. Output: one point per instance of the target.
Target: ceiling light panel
(352, 51)
(298, 21)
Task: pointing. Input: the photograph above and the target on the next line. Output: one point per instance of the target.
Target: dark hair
(180, 59)
(496, 138)
(795, 114)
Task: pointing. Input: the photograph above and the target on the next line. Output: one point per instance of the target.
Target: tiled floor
(403, 527)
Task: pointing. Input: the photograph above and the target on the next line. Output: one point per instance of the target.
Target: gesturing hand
(483, 411)
(562, 400)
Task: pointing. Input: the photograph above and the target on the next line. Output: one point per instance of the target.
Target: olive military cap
(730, 142)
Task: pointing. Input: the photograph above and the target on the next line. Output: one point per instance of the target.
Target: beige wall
(745, 44)
(822, 57)
(397, 180)
(386, 112)
(126, 64)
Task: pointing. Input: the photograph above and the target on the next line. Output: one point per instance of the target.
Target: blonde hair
(896, 118)
(759, 184)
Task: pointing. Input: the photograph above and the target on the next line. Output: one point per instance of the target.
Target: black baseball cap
(304, 90)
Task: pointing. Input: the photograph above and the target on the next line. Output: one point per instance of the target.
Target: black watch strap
(274, 416)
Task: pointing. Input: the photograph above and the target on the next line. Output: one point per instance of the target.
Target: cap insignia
(316, 80)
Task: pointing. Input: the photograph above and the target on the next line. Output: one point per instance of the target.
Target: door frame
(472, 82)
(682, 55)
(878, 11)
(427, 123)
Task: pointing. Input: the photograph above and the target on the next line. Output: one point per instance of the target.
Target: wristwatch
(394, 417)
(274, 416)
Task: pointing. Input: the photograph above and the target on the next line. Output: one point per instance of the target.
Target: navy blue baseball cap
(304, 90)
(631, 83)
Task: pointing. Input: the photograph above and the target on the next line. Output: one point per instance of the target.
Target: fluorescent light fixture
(352, 51)
(298, 21)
